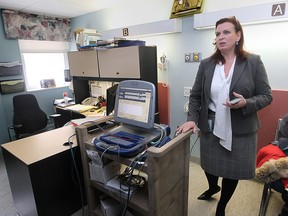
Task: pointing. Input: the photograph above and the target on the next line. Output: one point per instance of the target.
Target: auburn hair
(239, 49)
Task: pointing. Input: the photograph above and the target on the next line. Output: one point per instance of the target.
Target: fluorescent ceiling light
(256, 14)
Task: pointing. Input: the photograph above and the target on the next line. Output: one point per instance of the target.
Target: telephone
(90, 101)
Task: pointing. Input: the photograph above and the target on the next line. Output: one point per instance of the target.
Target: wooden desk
(67, 115)
(40, 173)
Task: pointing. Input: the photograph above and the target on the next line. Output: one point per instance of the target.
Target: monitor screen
(110, 99)
(135, 103)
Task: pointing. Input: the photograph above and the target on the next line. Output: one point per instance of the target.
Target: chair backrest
(28, 114)
(277, 129)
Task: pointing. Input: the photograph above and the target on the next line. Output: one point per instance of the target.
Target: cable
(194, 144)
(130, 177)
(76, 171)
(108, 149)
(162, 136)
(186, 107)
(67, 123)
(137, 181)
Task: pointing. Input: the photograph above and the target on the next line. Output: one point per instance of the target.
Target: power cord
(138, 182)
(163, 134)
(130, 180)
(76, 171)
(186, 107)
(193, 145)
(164, 137)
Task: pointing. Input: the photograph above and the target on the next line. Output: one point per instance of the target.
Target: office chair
(270, 186)
(276, 186)
(28, 117)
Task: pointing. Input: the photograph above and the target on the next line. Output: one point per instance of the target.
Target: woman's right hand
(186, 127)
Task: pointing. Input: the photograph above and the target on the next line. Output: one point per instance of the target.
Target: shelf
(138, 199)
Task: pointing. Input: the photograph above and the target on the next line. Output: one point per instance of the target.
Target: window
(43, 60)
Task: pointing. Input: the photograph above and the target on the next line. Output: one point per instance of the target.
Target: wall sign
(182, 8)
(278, 9)
(125, 32)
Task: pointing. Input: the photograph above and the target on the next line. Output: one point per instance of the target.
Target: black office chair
(276, 186)
(29, 118)
(271, 186)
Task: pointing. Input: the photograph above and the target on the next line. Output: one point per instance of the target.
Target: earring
(236, 43)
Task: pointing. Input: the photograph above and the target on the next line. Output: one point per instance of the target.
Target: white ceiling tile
(60, 8)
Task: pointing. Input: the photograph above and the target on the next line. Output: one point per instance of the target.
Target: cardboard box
(111, 207)
(104, 173)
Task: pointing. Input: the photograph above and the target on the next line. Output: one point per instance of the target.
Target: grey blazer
(249, 79)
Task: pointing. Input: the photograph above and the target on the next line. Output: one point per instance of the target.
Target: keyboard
(123, 139)
(116, 140)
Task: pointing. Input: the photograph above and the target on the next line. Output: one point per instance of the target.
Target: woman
(228, 137)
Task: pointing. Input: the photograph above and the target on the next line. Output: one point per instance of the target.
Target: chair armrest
(15, 126)
(55, 118)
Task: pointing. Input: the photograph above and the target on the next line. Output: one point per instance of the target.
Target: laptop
(135, 110)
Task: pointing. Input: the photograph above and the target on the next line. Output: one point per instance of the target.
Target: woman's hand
(186, 127)
(242, 102)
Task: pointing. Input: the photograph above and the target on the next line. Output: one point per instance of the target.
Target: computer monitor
(135, 103)
(110, 99)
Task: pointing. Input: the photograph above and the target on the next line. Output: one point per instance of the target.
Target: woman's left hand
(186, 127)
(242, 102)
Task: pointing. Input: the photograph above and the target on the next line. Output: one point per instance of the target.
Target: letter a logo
(278, 9)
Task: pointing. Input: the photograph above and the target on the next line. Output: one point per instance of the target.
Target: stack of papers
(61, 101)
(114, 185)
(80, 108)
(86, 37)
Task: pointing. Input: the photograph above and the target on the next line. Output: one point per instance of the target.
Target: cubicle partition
(269, 117)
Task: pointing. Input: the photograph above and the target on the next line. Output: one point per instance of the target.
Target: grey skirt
(240, 163)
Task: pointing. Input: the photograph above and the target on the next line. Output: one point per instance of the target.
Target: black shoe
(209, 193)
